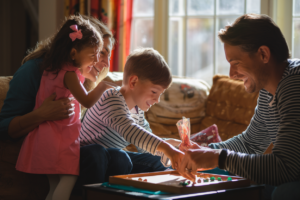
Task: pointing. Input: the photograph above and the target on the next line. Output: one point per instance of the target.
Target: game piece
(205, 180)
(219, 179)
(145, 180)
(199, 180)
(183, 183)
(212, 178)
(229, 179)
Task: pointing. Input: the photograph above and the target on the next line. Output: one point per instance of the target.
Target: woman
(17, 117)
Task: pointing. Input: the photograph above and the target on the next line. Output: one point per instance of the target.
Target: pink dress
(53, 147)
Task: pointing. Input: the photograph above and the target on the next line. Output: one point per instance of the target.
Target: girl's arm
(49, 110)
(87, 99)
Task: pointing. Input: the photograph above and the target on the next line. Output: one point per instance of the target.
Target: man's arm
(283, 164)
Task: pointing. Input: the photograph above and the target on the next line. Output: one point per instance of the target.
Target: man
(258, 55)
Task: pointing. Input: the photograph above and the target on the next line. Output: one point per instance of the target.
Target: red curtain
(127, 28)
(109, 12)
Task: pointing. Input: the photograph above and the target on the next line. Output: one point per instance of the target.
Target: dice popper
(184, 129)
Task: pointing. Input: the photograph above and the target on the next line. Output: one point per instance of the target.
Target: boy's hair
(251, 31)
(43, 47)
(148, 64)
(61, 46)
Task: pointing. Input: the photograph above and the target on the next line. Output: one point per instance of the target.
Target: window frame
(161, 33)
(281, 11)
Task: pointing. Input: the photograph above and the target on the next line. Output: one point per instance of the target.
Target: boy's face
(145, 94)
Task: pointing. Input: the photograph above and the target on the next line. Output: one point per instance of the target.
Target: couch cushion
(185, 97)
(229, 106)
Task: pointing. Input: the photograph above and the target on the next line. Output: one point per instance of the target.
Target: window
(194, 47)
(142, 24)
(296, 29)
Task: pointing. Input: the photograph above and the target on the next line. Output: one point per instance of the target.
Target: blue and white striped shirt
(275, 120)
(111, 124)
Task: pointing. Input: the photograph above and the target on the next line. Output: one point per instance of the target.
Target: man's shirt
(276, 119)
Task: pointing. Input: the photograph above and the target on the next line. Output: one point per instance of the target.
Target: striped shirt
(111, 124)
(275, 120)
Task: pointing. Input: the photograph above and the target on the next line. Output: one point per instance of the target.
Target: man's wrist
(222, 158)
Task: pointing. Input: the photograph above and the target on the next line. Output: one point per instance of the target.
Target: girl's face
(86, 59)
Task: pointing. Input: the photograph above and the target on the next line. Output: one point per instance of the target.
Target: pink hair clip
(76, 34)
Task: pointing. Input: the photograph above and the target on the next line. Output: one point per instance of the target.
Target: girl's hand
(109, 85)
(52, 109)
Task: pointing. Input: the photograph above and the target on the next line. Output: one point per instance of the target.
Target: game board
(171, 181)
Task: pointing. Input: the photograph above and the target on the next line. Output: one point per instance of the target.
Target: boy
(117, 119)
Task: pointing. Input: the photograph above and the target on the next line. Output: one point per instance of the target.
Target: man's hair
(148, 64)
(251, 31)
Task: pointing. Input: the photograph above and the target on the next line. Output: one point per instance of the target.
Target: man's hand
(198, 159)
(52, 109)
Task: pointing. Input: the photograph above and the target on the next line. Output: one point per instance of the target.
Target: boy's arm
(117, 116)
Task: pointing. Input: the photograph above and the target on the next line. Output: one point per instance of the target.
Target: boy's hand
(174, 142)
(198, 160)
(172, 153)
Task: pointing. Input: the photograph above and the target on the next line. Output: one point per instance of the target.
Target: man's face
(101, 68)
(146, 94)
(246, 67)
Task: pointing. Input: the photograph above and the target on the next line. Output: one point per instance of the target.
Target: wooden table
(96, 191)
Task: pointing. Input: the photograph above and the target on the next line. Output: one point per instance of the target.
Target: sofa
(225, 104)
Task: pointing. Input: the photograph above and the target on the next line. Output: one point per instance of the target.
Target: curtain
(117, 15)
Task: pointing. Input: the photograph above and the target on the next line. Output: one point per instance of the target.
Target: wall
(17, 34)
(51, 15)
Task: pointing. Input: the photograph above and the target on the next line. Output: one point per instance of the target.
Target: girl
(53, 147)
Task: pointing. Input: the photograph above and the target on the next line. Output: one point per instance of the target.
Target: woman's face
(101, 68)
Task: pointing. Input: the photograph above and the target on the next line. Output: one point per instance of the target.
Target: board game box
(173, 182)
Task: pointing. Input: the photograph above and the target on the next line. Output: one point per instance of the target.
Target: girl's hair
(44, 46)
(62, 44)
